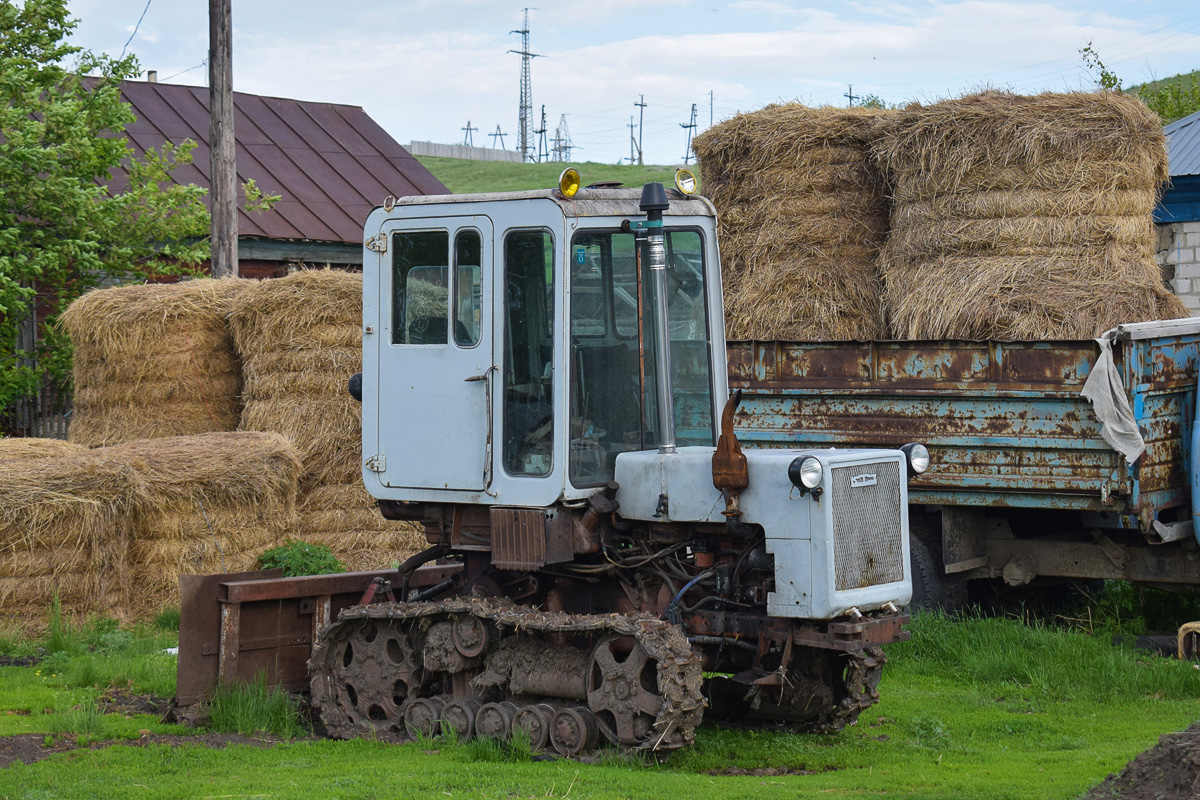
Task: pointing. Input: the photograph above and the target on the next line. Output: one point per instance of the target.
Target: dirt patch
(18, 661)
(765, 771)
(127, 704)
(28, 748)
(1167, 771)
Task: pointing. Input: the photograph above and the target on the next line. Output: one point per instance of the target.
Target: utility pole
(851, 96)
(525, 114)
(710, 108)
(632, 143)
(467, 140)
(222, 191)
(690, 127)
(499, 134)
(641, 104)
(543, 153)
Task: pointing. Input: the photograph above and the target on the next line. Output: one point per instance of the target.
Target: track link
(371, 666)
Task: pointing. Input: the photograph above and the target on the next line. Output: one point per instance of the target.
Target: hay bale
(344, 518)
(801, 216)
(29, 448)
(300, 339)
(1022, 217)
(154, 360)
(65, 529)
(212, 503)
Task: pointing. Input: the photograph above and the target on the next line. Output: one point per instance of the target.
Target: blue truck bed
(1005, 422)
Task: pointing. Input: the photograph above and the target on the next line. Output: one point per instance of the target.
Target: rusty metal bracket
(378, 584)
(1112, 551)
(730, 472)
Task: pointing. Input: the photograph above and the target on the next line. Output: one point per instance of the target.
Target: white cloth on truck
(1107, 393)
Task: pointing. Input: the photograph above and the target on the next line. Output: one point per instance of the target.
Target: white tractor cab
(525, 350)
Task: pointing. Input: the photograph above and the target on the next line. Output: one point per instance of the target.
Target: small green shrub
(254, 707)
(301, 558)
(84, 719)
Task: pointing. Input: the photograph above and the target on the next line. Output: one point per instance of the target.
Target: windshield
(613, 389)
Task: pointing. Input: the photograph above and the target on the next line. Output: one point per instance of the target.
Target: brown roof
(330, 163)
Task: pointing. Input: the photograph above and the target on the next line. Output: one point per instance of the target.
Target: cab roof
(590, 202)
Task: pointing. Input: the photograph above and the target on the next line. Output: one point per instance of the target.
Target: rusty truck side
(1022, 485)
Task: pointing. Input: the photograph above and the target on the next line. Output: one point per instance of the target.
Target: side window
(420, 287)
(468, 277)
(528, 352)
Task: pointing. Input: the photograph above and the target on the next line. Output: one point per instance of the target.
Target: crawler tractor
(544, 390)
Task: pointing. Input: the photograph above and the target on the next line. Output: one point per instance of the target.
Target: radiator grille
(867, 532)
(518, 538)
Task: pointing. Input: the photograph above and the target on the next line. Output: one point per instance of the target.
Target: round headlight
(685, 181)
(918, 457)
(568, 182)
(806, 472)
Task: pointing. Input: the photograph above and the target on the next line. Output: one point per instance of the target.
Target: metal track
(862, 688)
(368, 666)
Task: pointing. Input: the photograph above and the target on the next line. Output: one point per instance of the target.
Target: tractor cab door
(435, 354)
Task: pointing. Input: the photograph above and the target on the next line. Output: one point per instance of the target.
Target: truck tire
(927, 587)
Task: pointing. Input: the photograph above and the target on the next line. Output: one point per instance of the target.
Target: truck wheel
(926, 582)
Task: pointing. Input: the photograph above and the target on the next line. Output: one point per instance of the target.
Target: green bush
(249, 708)
(301, 558)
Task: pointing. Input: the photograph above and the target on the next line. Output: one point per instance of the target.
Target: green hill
(1150, 87)
(462, 175)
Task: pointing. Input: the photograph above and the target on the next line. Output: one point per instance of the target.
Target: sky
(425, 69)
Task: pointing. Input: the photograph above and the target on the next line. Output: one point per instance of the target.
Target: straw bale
(66, 525)
(250, 477)
(1051, 141)
(26, 448)
(1022, 217)
(213, 502)
(75, 500)
(300, 339)
(154, 360)
(344, 518)
(801, 216)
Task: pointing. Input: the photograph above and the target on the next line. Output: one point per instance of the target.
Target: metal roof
(1183, 145)
(589, 202)
(331, 164)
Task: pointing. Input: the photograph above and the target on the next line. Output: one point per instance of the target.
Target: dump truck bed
(1005, 422)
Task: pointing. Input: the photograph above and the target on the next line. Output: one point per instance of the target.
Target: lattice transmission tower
(525, 132)
(562, 141)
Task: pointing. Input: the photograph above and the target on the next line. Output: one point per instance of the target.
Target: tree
(1172, 99)
(63, 231)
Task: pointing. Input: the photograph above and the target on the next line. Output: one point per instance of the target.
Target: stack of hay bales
(1019, 217)
(154, 360)
(802, 213)
(65, 531)
(212, 503)
(300, 339)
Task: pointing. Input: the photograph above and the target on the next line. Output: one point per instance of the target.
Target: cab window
(613, 394)
(528, 352)
(420, 287)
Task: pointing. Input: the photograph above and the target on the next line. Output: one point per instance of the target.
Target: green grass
(973, 708)
(462, 175)
(255, 708)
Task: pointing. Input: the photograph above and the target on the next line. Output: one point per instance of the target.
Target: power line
(135, 30)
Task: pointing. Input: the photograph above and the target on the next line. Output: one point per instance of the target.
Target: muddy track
(376, 709)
